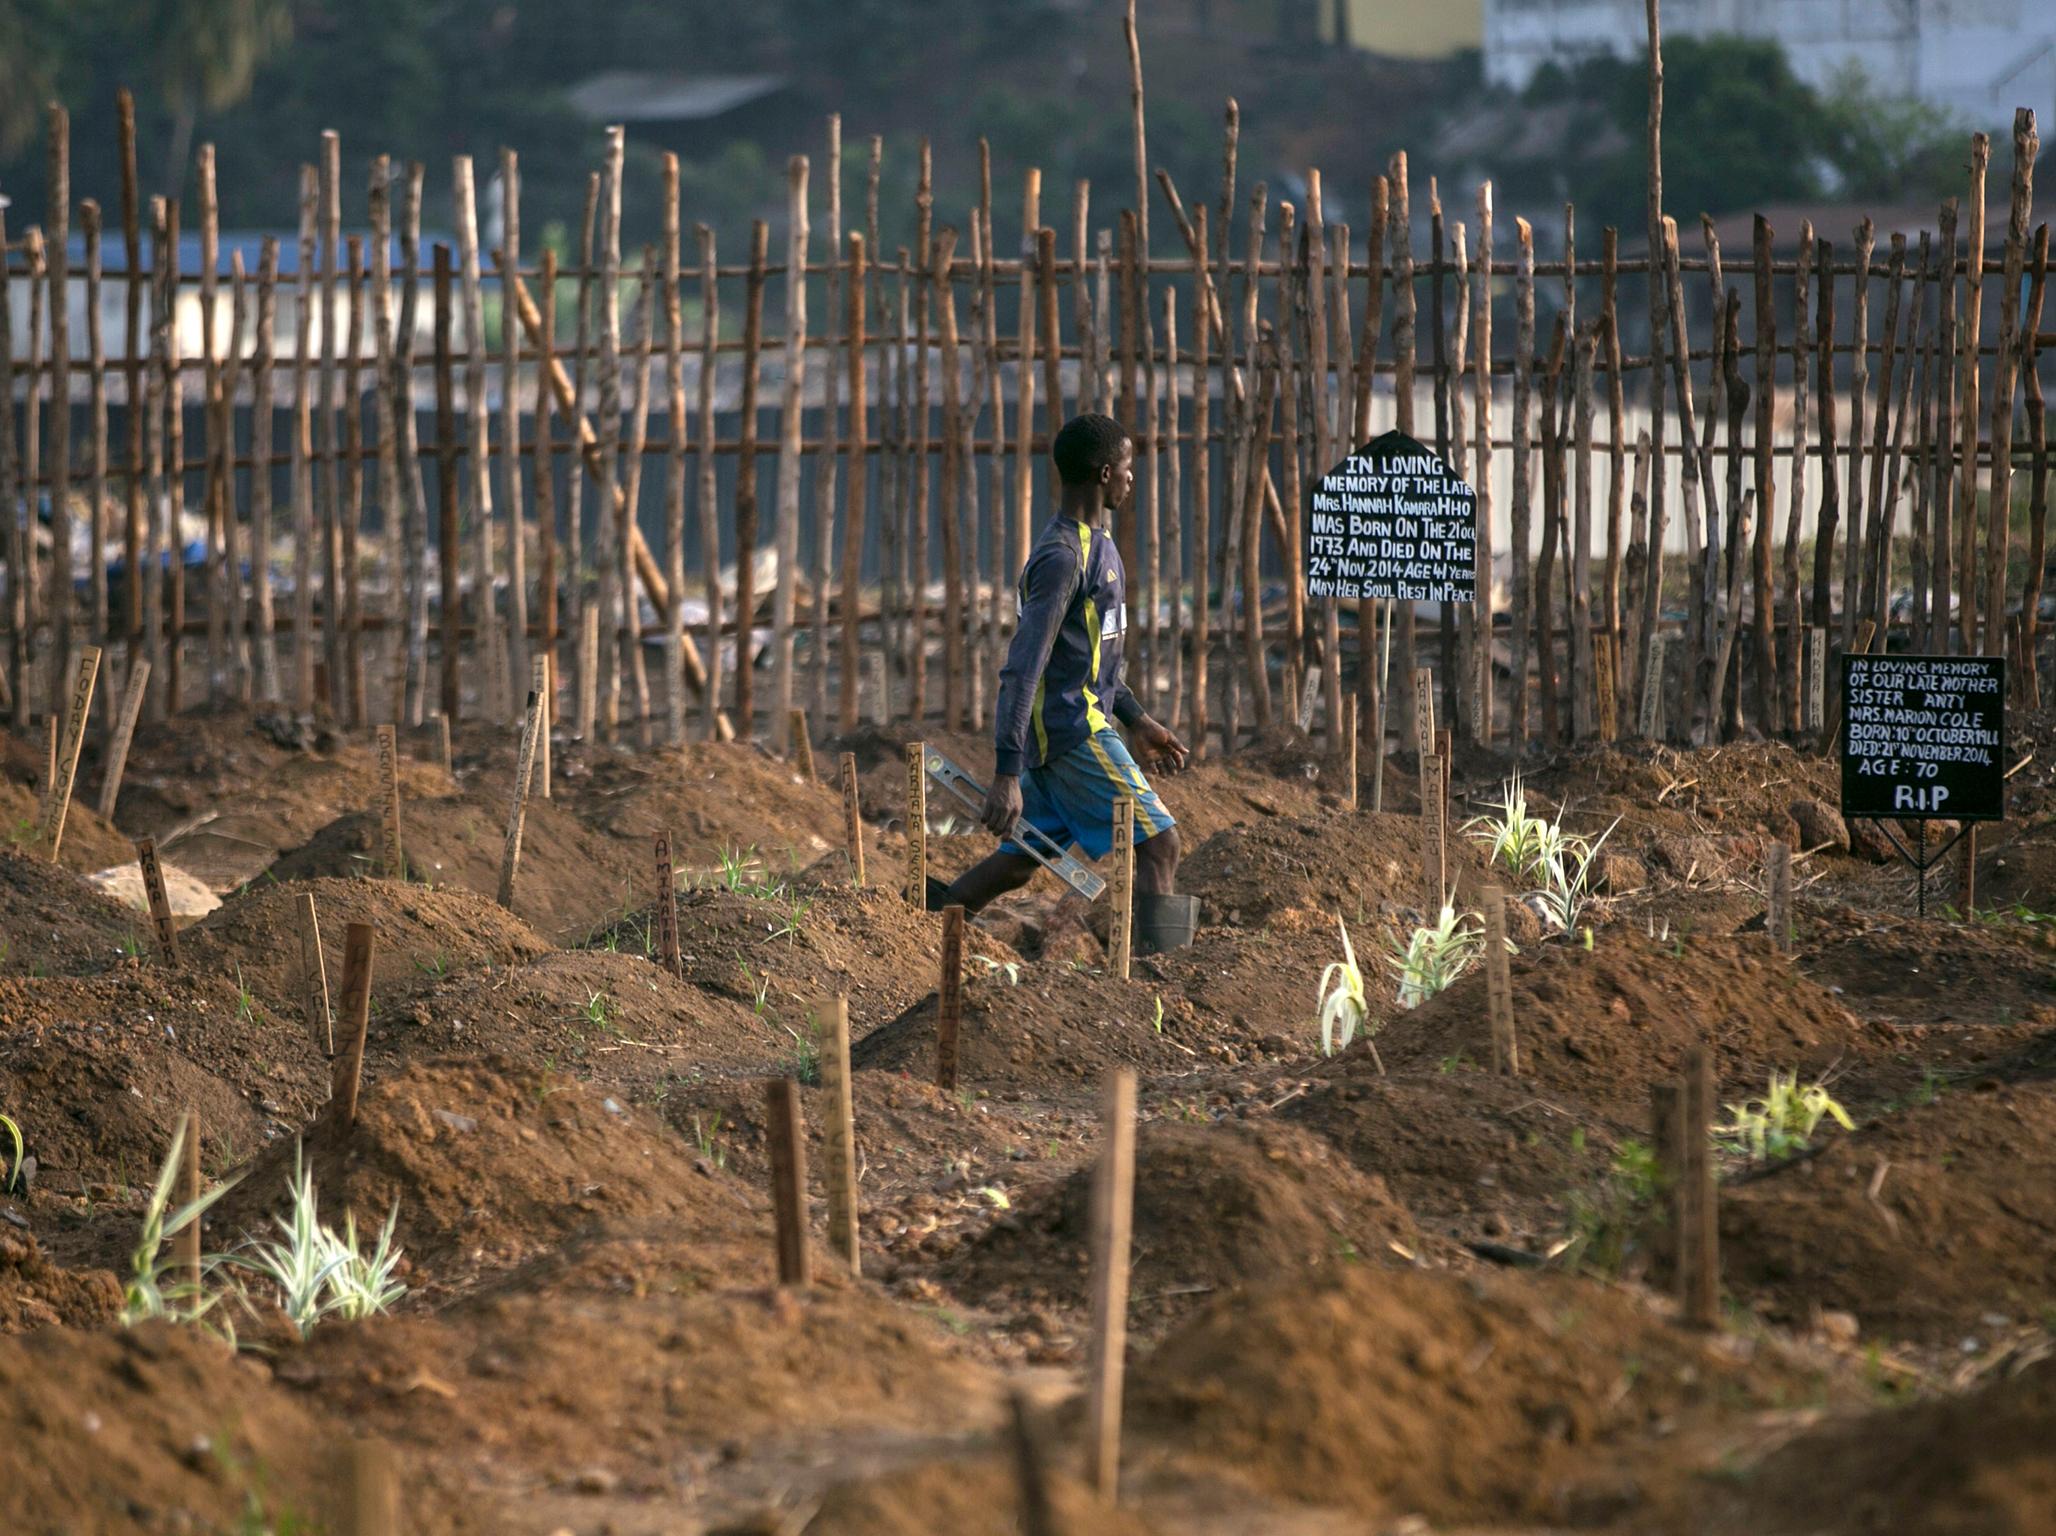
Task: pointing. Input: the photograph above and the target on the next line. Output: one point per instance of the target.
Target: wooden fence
(1828, 441)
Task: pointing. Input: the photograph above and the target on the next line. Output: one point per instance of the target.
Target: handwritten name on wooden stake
(1434, 883)
(314, 978)
(58, 806)
(1424, 711)
(839, 1141)
(802, 745)
(916, 891)
(1649, 722)
(1309, 690)
(1778, 916)
(1121, 916)
(517, 817)
(160, 904)
(1113, 1210)
(949, 1000)
(788, 1148)
(1816, 677)
(852, 818)
(1506, 1056)
(132, 697)
(347, 1078)
(392, 860)
(667, 909)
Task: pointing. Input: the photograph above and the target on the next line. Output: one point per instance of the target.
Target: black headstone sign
(1393, 520)
(1924, 738)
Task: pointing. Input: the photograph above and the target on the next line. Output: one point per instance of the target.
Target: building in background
(1406, 29)
(1977, 59)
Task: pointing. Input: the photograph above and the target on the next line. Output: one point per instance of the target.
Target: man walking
(1060, 764)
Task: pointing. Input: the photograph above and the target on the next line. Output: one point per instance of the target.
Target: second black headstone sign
(1923, 738)
(1393, 520)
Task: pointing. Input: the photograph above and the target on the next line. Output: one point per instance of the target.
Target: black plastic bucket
(1164, 922)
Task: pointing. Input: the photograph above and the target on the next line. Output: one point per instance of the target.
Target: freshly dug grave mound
(712, 798)
(34, 1293)
(781, 952)
(422, 934)
(1253, 992)
(89, 843)
(645, 1376)
(54, 922)
(1983, 1464)
(1353, 862)
(1470, 1152)
(570, 881)
(1741, 787)
(1061, 1026)
(609, 1016)
(1216, 1208)
(156, 1428)
(1953, 1243)
(1595, 1028)
(489, 1163)
(1948, 978)
(98, 1069)
(881, 754)
(1408, 1392)
(974, 1497)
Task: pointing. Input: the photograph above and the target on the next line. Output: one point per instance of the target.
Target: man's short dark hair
(1085, 445)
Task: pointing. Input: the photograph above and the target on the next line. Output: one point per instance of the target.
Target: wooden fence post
(348, 1077)
(77, 710)
(916, 892)
(136, 690)
(1506, 1056)
(314, 978)
(1113, 1208)
(839, 1141)
(1121, 916)
(788, 1149)
(392, 860)
(667, 909)
(852, 820)
(517, 815)
(160, 906)
(949, 1000)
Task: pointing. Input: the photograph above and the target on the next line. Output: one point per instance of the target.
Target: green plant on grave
(803, 1061)
(1342, 1007)
(705, 1138)
(8, 1169)
(1432, 958)
(1566, 880)
(246, 1000)
(1782, 1122)
(1010, 969)
(1607, 1220)
(151, 1291)
(130, 947)
(795, 908)
(597, 1010)
(316, 1272)
(1517, 839)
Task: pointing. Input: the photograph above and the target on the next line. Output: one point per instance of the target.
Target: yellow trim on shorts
(1132, 785)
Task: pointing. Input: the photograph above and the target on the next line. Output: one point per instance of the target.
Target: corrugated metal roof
(650, 96)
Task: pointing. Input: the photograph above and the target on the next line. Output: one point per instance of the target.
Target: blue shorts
(1071, 798)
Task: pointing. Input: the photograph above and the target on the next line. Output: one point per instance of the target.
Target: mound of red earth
(713, 798)
(1931, 1223)
(570, 881)
(53, 922)
(1982, 1464)
(1352, 862)
(421, 935)
(156, 1428)
(1405, 1392)
(34, 1293)
(489, 1163)
(1596, 1027)
(1216, 1207)
(89, 843)
(97, 1070)
(974, 1497)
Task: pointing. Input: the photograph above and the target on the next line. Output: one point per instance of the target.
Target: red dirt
(51, 921)
(35, 1293)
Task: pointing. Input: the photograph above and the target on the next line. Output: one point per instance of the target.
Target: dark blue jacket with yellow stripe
(1062, 678)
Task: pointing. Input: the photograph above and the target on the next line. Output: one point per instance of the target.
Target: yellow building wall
(1411, 29)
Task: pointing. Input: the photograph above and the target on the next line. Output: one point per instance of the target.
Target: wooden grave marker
(1121, 890)
(1816, 678)
(1309, 690)
(133, 695)
(1424, 711)
(544, 682)
(160, 904)
(374, 1490)
(187, 1242)
(1506, 1054)
(1699, 1222)
(517, 816)
(443, 755)
(852, 818)
(1649, 720)
(588, 671)
(1434, 851)
(949, 1000)
(802, 744)
(57, 806)
(916, 891)
(314, 979)
(1113, 1211)
(347, 1078)
(391, 859)
(788, 1148)
(839, 1139)
(667, 909)
(1777, 916)
(1966, 872)
(1349, 745)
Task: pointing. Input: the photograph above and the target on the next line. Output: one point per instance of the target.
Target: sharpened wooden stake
(1778, 914)
(788, 1148)
(392, 860)
(839, 1136)
(852, 818)
(916, 892)
(667, 909)
(132, 697)
(949, 1000)
(160, 904)
(802, 744)
(1121, 916)
(1434, 850)
(348, 1076)
(1699, 1226)
(1506, 1055)
(1113, 1210)
(314, 978)
(517, 816)
(188, 1239)
(77, 709)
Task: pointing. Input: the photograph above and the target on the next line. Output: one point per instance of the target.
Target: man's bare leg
(1156, 863)
(988, 880)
